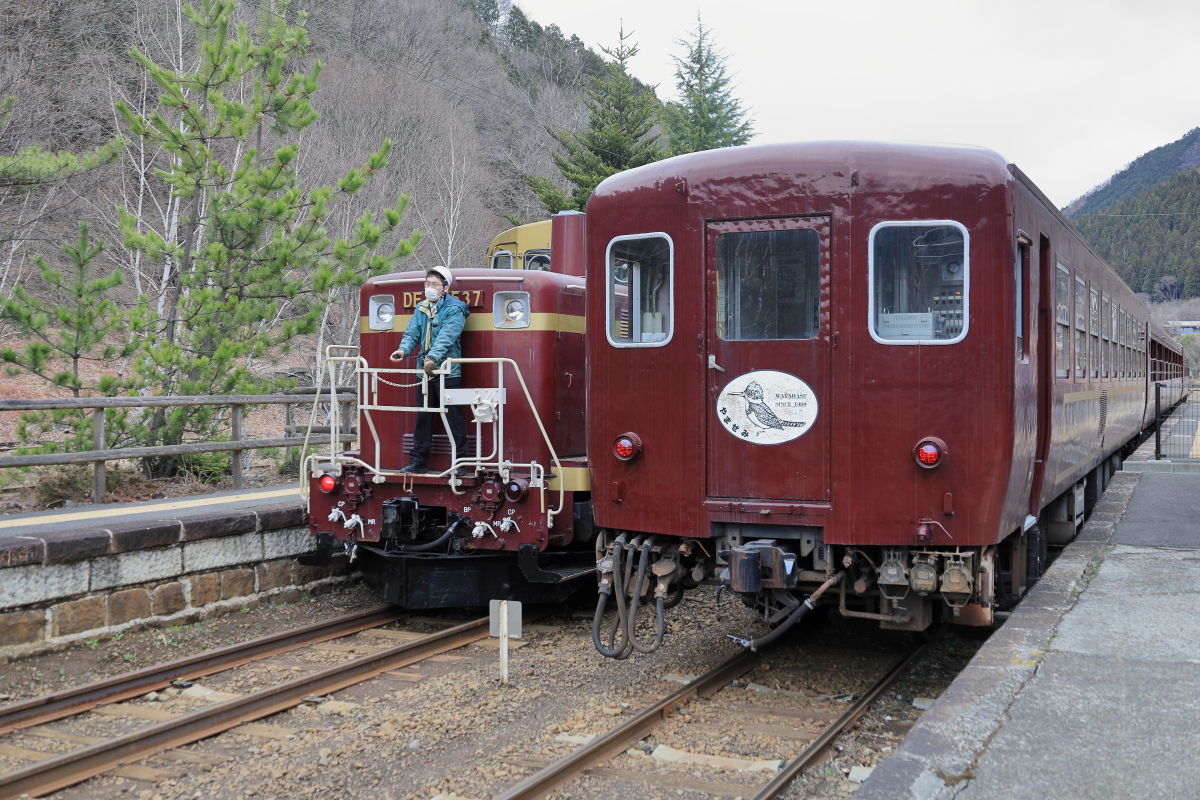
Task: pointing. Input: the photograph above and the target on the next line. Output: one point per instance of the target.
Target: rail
(238, 444)
(75, 766)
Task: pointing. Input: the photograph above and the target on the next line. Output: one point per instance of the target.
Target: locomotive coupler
(759, 565)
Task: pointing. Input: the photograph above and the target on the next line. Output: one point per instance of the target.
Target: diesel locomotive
(509, 518)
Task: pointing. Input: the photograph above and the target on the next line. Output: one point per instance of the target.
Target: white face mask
(432, 295)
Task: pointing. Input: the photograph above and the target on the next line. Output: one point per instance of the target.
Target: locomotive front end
(506, 517)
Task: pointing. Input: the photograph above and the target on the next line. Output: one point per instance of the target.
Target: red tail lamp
(328, 483)
(930, 452)
(627, 446)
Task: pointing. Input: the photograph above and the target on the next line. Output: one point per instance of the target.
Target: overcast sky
(1070, 91)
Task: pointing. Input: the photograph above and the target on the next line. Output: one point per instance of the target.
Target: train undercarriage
(790, 570)
(785, 577)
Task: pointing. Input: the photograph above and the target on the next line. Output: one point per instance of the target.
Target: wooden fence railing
(237, 444)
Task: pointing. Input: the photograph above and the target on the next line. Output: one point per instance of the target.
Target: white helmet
(444, 273)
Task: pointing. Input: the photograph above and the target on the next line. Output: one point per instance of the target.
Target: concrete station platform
(92, 517)
(1091, 689)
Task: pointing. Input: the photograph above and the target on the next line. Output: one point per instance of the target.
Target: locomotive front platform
(1089, 688)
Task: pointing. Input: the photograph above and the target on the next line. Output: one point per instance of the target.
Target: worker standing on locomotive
(435, 334)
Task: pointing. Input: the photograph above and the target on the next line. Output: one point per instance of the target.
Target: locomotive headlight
(510, 310)
(930, 452)
(381, 312)
(516, 490)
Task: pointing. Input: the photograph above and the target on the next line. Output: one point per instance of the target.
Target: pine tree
(250, 259)
(618, 136)
(83, 326)
(707, 115)
(32, 167)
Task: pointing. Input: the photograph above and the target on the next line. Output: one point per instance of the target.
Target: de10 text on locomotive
(872, 376)
(507, 519)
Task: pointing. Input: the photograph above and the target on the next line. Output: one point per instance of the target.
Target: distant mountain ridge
(1143, 174)
(1152, 240)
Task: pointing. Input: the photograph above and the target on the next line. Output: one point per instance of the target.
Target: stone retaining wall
(59, 588)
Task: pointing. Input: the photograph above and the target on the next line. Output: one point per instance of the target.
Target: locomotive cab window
(502, 259)
(769, 285)
(639, 289)
(920, 276)
(537, 259)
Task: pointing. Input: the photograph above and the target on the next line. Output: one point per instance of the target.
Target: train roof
(476, 275)
(833, 167)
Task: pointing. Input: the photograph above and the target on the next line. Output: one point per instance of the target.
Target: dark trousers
(423, 432)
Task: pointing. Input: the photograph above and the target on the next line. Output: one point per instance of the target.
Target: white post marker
(505, 622)
(503, 642)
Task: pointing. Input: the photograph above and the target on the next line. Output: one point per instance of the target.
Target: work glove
(429, 366)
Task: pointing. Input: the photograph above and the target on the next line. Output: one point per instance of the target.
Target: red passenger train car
(509, 517)
(871, 375)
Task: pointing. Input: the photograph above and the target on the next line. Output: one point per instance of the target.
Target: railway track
(608, 745)
(77, 765)
(475, 738)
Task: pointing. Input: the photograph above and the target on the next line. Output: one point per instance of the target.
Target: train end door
(768, 340)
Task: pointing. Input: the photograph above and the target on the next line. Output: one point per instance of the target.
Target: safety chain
(398, 385)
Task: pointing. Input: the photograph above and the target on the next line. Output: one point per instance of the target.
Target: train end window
(920, 279)
(502, 259)
(769, 285)
(639, 290)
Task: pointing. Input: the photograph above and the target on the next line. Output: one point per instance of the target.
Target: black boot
(415, 467)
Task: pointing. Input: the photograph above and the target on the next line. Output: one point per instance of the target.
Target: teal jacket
(437, 332)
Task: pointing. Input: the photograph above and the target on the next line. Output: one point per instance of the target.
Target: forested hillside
(258, 160)
(468, 107)
(1147, 171)
(1153, 239)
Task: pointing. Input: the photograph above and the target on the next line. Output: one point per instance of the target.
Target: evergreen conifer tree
(618, 136)
(707, 115)
(31, 168)
(84, 325)
(249, 258)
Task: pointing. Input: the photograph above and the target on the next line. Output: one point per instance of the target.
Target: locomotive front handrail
(368, 379)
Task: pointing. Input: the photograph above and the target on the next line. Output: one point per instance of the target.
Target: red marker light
(930, 452)
(627, 446)
(328, 483)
